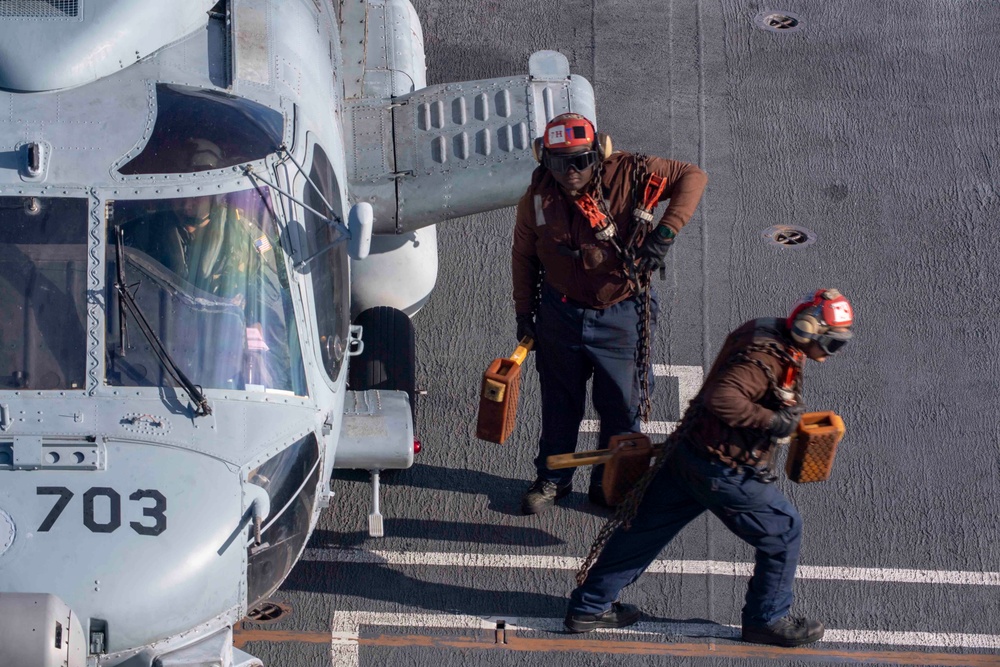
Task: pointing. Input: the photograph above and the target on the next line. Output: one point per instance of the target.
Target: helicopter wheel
(388, 360)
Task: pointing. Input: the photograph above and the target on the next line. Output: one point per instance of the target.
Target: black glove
(785, 420)
(654, 248)
(525, 326)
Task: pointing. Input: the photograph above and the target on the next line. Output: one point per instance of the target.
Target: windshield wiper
(120, 271)
(127, 302)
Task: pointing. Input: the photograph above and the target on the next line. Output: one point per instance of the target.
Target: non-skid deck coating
(875, 125)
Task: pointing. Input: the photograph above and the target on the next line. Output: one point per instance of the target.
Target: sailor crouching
(750, 401)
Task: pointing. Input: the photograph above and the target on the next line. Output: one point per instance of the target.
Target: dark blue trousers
(575, 344)
(687, 485)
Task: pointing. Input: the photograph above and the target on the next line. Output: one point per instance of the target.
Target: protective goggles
(562, 163)
(832, 342)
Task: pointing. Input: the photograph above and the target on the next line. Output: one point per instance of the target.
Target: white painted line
(689, 379)
(346, 627)
(714, 567)
(928, 639)
(412, 558)
(652, 428)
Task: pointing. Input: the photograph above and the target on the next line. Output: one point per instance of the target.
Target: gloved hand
(525, 326)
(785, 420)
(654, 248)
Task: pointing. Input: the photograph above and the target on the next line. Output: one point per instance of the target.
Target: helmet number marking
(112, 521)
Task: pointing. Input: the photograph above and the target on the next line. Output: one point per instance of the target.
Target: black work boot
(542, 495)
(619, 616)
(786, 631)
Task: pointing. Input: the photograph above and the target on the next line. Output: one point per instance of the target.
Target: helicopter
(217, 217)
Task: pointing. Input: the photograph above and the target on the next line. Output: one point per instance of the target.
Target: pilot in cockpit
(205, 242)
(213, 254)
(209, 244)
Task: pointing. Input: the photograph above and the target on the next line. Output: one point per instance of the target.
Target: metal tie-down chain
(643, 285)
(627, 508)
(640, 281)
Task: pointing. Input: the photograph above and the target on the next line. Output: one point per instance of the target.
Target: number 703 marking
(157, 512)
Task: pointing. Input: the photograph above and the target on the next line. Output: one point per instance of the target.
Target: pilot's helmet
(203, 155)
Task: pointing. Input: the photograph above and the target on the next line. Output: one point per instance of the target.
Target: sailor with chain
(581, 263)
(719, 459)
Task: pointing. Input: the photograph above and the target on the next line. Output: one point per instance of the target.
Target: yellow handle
(521, 353)
(576, 459)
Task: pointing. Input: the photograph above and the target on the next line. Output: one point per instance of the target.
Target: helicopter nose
(153, 544)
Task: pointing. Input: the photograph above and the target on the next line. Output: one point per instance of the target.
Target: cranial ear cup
(805, 327)
(602, 144)
(538, 149)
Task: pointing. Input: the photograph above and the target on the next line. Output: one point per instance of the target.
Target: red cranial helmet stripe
(568, 130)
(828, 306)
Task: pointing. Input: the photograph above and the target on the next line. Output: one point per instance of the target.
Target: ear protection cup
(538, 148)
(804, 327)
(602, 144)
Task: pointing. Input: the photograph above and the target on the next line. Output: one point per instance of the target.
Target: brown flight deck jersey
(552, 234)
(729, 417)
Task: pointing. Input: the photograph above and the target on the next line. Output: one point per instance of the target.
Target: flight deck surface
(873, 127)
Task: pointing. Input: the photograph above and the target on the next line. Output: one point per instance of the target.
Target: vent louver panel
(39, 9)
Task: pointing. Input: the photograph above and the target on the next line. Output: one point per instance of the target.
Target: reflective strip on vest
(539, 216)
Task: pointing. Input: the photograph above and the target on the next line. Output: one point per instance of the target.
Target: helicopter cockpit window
(209, 276)
(330, 268)
(290, 481)
(198, 130)
(43, 289)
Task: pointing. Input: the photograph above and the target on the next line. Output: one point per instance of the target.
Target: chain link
(639, 281)
(640, 174)
(596, 190)
(781, 354)
(643, 286)
(629, 506)
(642, 348)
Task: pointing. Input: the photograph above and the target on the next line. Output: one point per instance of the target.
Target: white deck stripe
(346, 628)
(689, 380)
(652, 428)
(722, 568)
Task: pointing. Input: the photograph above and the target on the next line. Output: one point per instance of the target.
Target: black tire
(388, 360)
